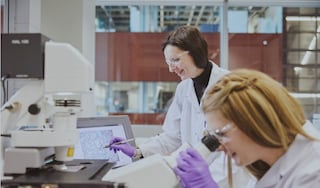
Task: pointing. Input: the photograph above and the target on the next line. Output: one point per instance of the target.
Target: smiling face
(181, 63)
(234, 142)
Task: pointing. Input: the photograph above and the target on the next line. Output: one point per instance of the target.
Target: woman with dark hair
(186, 54)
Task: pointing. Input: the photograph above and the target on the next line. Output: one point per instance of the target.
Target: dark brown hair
(189, 38)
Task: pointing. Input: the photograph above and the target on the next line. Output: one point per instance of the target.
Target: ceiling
(117, 18)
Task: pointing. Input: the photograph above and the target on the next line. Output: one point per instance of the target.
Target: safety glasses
(219, 133)
(176, 60)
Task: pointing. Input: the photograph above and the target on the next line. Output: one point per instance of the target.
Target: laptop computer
(95, 133)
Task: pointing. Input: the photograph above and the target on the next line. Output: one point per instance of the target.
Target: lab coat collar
(215, 75)
(189, 93)
(191, 96)
(286, 162)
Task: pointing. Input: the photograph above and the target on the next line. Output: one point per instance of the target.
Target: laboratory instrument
(38, 123)
(137, 174)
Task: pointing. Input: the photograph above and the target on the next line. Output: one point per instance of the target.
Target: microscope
(38, 123)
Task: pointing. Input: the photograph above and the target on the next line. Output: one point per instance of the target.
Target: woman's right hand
(125, 148)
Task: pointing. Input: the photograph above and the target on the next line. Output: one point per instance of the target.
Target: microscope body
(39, 120)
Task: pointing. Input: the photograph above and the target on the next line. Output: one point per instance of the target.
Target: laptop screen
(96, 132)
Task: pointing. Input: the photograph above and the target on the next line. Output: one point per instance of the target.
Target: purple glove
(193, 170)
(125, 148)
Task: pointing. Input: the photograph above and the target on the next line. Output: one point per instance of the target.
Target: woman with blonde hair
(262, 128)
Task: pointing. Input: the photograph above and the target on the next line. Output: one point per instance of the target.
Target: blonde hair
(260, 107)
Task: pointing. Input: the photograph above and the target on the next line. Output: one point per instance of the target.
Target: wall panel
(122, 56)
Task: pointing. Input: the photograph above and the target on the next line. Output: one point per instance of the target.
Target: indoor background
(123, 41)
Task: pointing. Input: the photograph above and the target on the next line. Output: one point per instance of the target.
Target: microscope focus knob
(34, 109)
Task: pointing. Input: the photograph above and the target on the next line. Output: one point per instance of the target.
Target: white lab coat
(298, 167)
(185, 122)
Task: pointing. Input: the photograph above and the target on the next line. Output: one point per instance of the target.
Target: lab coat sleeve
(170, 139)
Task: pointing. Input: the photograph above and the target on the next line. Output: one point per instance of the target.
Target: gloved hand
(126, 148)
(193, 170)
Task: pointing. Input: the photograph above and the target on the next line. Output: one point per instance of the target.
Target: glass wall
(301, 52)
(133, 97)
(302, 49)
(152, 96)
(281, 41)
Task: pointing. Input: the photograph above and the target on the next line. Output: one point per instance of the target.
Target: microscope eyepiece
(211, 142)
